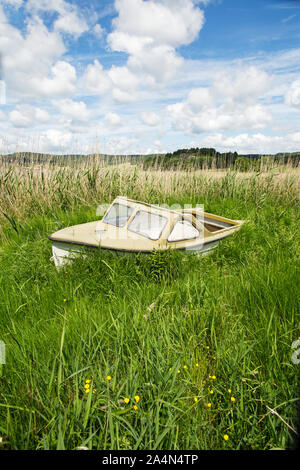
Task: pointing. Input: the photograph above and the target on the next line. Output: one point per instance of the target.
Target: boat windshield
(118, 215)
(148, 224)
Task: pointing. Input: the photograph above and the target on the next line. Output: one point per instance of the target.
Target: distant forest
(185, 159)
(28, 158)
(202, 158)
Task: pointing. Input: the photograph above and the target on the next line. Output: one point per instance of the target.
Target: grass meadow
(180, 352)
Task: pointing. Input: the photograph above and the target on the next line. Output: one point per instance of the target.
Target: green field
(225, 321)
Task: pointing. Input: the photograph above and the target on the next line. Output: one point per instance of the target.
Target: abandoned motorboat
(131, 226)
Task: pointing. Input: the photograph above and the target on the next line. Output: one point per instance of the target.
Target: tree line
(209, 158)
(185, 159)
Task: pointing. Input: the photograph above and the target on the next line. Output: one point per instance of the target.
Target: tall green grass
(225, 321)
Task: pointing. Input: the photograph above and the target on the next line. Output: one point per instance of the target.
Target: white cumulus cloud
(96, 79)
(98, 30)
(54, 140)
(122, 145)
(242, 84)
(232, 102)
(69, 20)
(125, 84)
(292, 97)
(112, 119)
(61, 82)
(31, 60)
(27, 116)
(150, 119)
(13, 3)
(71, 23)
(175, 22)
(76, 110)
(252, 143)
(150, 31)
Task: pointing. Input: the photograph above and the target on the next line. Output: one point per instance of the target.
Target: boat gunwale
(90, 245)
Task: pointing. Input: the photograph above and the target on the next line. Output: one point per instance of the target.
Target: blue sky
(144, 76)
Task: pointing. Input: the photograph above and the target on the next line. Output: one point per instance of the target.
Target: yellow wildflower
(135, 407)
(137, 398)
(185, 367)
(87, 390)
(65, 300)
(126, 400)
(197, 365)
(211, 392)
(229, 390)
(208, 405)
(178, 372)
(88, 381)
(232, 399)
(108, 377)
(196, 400)
(87, 386)
(226, 437)
(213, 377)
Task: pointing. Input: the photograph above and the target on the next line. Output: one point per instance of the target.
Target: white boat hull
(64, 253)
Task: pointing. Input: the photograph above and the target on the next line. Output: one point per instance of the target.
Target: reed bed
(41, 190)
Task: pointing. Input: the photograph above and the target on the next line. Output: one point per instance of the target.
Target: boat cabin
(133, 226)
